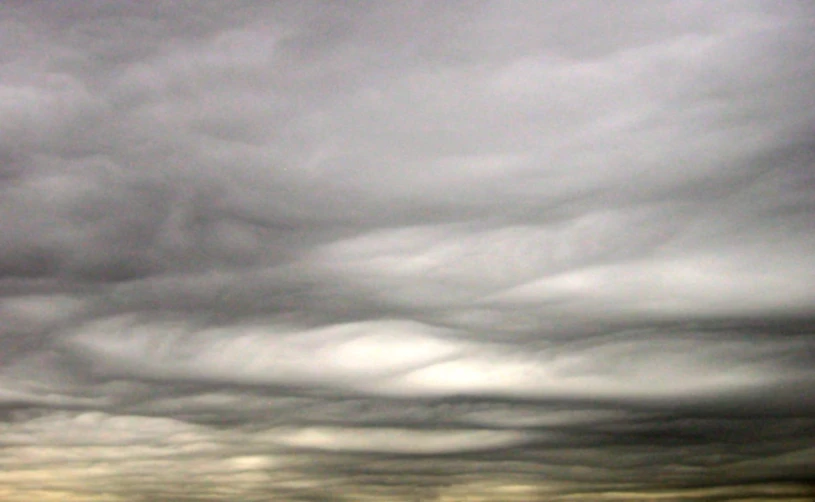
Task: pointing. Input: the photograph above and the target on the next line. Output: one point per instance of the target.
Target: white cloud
(398, 440)
(338, 355)
(699, 286)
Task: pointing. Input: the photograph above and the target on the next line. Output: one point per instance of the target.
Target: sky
(362, 250)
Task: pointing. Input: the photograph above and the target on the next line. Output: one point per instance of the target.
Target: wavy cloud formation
(481, 250)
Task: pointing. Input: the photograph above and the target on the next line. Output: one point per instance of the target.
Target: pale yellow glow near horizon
(254, 483)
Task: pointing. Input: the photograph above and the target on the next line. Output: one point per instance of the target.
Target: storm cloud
(350, 250)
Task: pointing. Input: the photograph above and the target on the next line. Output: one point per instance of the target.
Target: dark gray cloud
(437, 250)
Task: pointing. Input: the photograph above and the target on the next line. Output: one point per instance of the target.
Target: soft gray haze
(399, 250)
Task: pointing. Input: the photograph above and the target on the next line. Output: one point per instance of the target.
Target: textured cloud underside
(407, 250)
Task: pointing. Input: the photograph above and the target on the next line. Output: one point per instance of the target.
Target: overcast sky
(398, 250)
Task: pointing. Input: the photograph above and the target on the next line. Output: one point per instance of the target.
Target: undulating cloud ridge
(488, 250)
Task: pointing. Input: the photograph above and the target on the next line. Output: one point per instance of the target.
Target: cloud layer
(340, 251)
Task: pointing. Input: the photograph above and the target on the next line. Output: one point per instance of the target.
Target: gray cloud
(467, 250)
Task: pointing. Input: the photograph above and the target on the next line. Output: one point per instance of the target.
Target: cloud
(258, 353)
(674, 287)
(399, 441)
(310, 250)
